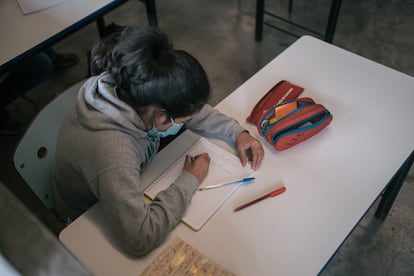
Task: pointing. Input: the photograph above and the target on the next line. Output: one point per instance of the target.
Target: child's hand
(197, 165)
(248, 145)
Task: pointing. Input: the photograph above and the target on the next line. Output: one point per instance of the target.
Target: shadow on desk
(96, 218)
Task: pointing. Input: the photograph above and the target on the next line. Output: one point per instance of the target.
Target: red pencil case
(282, 91)
(288, 122)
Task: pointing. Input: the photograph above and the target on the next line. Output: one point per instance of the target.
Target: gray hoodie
(101, 150)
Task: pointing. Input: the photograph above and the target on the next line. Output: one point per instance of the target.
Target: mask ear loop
(172, 121)
(160, 112)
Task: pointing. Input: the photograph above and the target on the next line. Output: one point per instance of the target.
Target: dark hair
(148, 71)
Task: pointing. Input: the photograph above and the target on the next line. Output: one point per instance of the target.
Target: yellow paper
(180, 258)
(283, 110)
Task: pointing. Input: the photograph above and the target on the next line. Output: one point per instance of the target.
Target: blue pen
(244, 180)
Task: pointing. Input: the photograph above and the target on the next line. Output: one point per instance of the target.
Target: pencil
(271, 194)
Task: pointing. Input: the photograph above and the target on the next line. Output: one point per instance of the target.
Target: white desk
(331, 179)
(22, 34)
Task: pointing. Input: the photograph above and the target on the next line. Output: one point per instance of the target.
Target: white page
(224, 167)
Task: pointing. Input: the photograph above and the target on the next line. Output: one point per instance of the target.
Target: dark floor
(221, 35)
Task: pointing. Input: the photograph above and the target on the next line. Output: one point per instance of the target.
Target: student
(144, 90)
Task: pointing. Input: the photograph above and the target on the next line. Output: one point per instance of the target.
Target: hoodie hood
(99, 108)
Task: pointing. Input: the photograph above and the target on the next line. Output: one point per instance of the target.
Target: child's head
(148, 71)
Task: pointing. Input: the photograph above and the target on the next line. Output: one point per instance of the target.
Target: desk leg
(259, 20)
(290, 8)
(333, 18)
(100, 23)
(393, 187)
(151, 12)
(151, 17)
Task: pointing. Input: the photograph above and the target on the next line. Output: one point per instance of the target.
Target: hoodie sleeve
(211, 122)
(142, 226)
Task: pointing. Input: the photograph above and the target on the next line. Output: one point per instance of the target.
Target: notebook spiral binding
(174, 165)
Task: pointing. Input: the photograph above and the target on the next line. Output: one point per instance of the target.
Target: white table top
(21, 33)
(331, 179)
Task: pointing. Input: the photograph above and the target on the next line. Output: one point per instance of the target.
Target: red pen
(271, 194)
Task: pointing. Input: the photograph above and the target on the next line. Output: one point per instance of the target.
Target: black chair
(327, 36)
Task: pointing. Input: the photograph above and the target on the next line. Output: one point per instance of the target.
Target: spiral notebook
(168, 164)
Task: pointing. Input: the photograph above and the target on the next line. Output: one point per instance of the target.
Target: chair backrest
(35, 154)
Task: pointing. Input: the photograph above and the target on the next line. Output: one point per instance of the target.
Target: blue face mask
(173, 130)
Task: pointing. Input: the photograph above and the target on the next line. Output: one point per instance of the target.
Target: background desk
(331, 179)
(24, 34)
